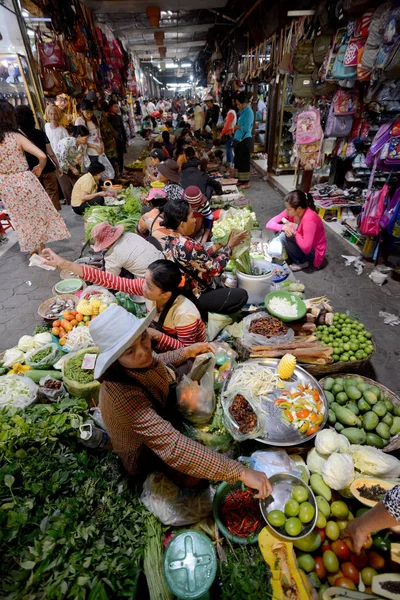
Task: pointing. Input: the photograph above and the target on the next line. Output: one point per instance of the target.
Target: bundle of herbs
(244, 575)
(70, 528)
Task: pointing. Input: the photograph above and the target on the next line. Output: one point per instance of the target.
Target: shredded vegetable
(78, 339)
(258, 380)
(283, 307)
(15, 391)
(302, 408)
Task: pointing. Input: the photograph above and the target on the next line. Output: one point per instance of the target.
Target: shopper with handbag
(72, 154)
(95, 145)
(55, 133)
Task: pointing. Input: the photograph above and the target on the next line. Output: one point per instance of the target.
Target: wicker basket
(394, 443)
(338, 367)
(44, 307)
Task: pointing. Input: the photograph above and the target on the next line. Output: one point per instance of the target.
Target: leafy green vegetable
(153, 561)
(127, 215)
(41, 329)
(245, 575)
(69, 526)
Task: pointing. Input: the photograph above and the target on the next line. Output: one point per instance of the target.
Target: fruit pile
(360, 411)
(348, 338)
(298, 511)
(69, 320)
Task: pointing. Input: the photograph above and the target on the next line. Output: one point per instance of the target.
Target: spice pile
(241, 513)
(243, 414)
(268, 327)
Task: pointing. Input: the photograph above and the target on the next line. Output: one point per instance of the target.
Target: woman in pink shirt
(304, 234)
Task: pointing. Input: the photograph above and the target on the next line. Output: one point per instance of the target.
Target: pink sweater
(310, 233)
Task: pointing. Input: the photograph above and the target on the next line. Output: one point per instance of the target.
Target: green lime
(306, 513)
(292, 508)
(293, 526)
(300, 493)
(276, 518)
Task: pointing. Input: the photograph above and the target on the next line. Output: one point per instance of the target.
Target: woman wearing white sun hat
(134, 394)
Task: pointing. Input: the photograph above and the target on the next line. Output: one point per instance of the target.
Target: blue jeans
(229, 149)
(295, 253)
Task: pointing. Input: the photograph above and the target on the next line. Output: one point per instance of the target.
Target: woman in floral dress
(33, 215)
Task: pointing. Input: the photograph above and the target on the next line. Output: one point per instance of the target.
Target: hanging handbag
(80, 41)
(338, 126)
(116, 50)
(303, 61)
(52, 83)
(51, 55)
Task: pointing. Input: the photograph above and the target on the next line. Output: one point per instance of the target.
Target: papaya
(381, 585)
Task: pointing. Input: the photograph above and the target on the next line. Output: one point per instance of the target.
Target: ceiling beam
(169, 45)
(139, 6)
(150, 31)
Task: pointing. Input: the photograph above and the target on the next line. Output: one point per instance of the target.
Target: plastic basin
(257, 286)
(301, 307)
(222, 492)
(68, 286)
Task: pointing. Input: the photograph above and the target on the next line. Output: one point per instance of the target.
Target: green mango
(337, 388)
(323, 506)
(354, 435)
(331, 417)
(347, 417)
(389, 405)
(362, 387)
(328, 384)
(380, 409)
(376, 391)
(363, 405)
(353, 407)
(341, 398)
(396, 410)
(370, 420)
(370, 397)
(383, 431)
(395, 428)
(388, 419)
(339, 427)
(319, 487)
(329, 396)
(374, 440)
(353, 392)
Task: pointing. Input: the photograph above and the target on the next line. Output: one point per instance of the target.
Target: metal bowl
(282, 485)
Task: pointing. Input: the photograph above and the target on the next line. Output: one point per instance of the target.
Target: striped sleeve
(113, 282)
(166, 342)
(205, 209)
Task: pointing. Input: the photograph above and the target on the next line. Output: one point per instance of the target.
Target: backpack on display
(308, 127)
(392, 212)
(302, 61)
(328, 17)
(339, 70)
(372, 212)
(338, 126)
(363, 23)
(321, 47)
(345, 103)
(363, 74)
(381, 143)
(391, 68)
(302, 85)
(391, 152)
(375, 36)
(321, 87)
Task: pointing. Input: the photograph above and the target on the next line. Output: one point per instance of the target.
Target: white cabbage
(372, 461)
(338, 471)
(13, 356)
(41, 339)
(344, 444)
(327, 441)
(26, 343)
(315, 461)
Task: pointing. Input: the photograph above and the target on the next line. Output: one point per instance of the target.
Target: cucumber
(36, 375)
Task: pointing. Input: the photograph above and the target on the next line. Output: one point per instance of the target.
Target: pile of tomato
(69, 320)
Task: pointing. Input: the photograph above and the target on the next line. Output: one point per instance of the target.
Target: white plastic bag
(271, 462)
(232, 426)
(195, 393)
(18, 391)
(173, 505)
(49, 394)
(98, 292)
(276, 248)
(109, 172)
(255, 339)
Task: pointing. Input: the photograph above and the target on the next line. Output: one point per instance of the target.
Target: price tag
(89, 360)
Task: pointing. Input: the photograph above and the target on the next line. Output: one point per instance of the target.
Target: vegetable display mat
(277, 432)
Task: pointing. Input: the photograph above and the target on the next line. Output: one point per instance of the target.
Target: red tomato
(326, 546)
(341, 549)
(349, 543)
(350, 571)
(332, 577)
(321, 533)
(345, 582)
(359, 560)
(320, 568)
(375, 560)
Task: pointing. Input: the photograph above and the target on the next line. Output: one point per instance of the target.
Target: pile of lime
(297, 513)
(347, 337)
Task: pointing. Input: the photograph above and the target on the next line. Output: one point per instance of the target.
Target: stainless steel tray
(277, 432)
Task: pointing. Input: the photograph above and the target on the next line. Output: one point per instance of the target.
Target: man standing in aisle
(151, 106)
(117, 124)
(212, 115)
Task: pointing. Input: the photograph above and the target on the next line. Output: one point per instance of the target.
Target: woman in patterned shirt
(384, 515)
(201, 266)
(72, 155)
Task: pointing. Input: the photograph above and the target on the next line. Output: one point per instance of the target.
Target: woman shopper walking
(243, 140)
(228, 131)
(72, 154)
(34, 217)
(55, 133)
(48, 178)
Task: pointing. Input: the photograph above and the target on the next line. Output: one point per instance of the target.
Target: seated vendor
(177, 321)
(304, 234)
(137, 406)
(202, 212)
(155, 157)
(192, 174)
(127, 251)
(84, 192)
(151, 221)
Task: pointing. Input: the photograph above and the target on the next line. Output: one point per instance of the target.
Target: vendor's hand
(154, 334)
(288, 230)
(37, 170)
(60, 172)
(75, 172)
(356, 533)
(52, 259)
(236, 239)
(199, 348)
(258, 481)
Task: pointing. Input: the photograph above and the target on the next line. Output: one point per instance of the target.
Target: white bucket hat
(113, 331)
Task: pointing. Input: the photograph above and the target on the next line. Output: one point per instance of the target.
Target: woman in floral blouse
(72, 155)
(201, 266)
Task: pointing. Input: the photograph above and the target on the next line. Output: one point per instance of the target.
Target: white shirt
(145, 111)
(151, 107)
(132, 253)
(55, 135)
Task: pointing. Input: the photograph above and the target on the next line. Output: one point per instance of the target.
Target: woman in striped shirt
(178, 322)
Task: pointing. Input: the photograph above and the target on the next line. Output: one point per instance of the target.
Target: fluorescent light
(170, 66)
(186, 64)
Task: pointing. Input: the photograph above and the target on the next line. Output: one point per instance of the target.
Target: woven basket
(44, 307)
(338, 367)
(394, 443)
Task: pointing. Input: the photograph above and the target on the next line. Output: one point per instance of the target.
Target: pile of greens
(245, 575)
(127, 215)
(73, 369)
(69, 527)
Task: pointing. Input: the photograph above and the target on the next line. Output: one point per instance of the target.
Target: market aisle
(346, 289)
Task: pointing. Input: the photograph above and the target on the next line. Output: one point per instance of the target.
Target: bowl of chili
(237, 513)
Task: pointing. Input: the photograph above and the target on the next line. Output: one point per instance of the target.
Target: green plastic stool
(190, 565)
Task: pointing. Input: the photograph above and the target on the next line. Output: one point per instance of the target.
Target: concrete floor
(23, 288)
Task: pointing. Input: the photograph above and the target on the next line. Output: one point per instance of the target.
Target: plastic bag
(98, 292)
(276, 248)
(47, 361)
(27, 391)
(255, 339)
(50, 394)
(196, 401)
(271, 462)
(230, 423)
(216, 323)
(173, 505)
(88, 390)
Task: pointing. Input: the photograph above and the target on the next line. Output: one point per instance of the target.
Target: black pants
(223, 300)
(79, 210)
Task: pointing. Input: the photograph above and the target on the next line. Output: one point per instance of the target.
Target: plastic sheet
(232, 426)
